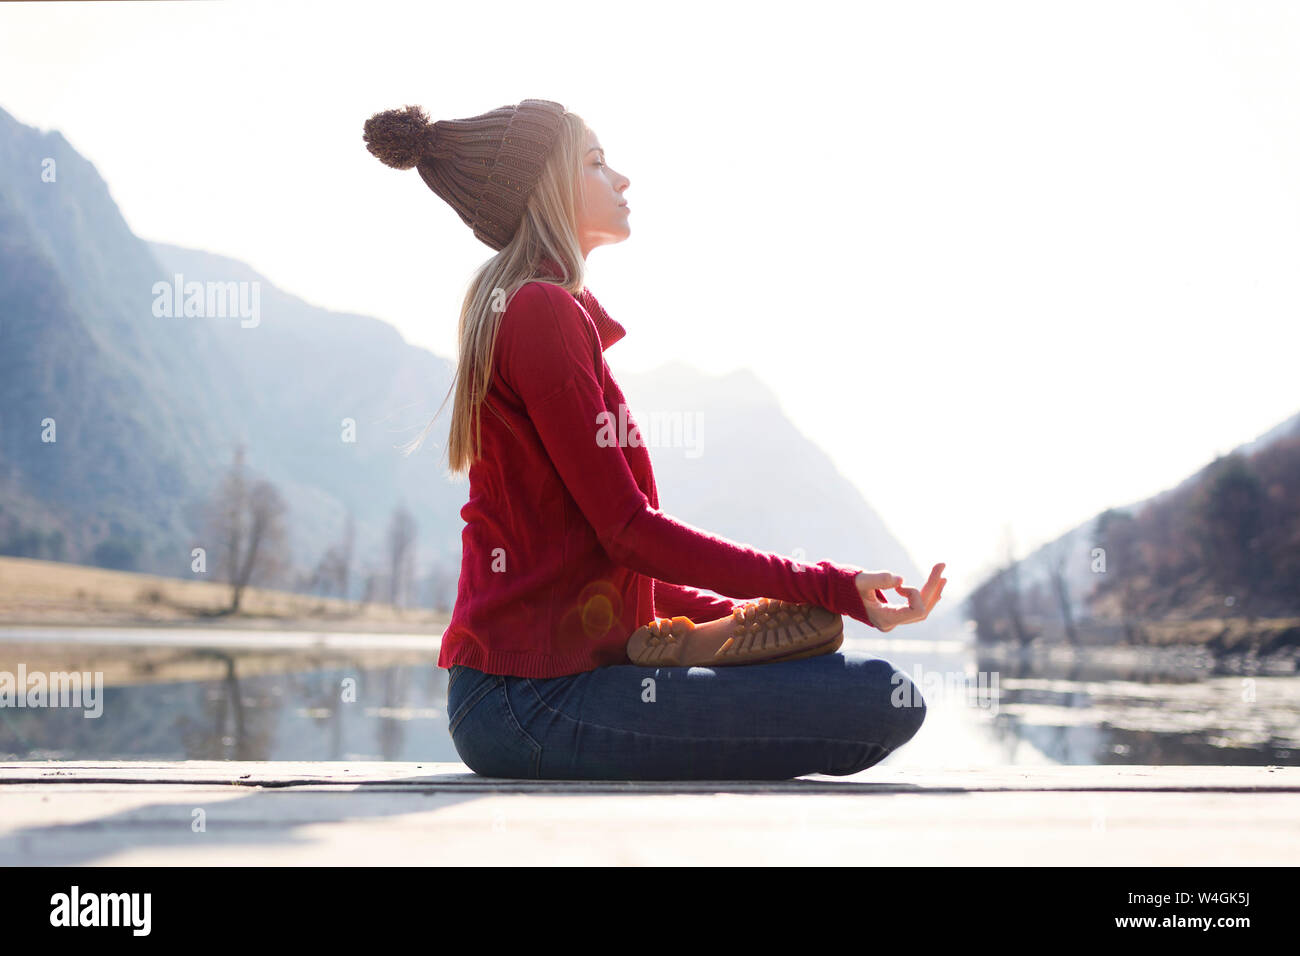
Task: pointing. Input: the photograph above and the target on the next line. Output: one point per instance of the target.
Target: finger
(933, 585)
(915, 609)
(919, 602)
(882, 579)
(888, 617)
(936, 573)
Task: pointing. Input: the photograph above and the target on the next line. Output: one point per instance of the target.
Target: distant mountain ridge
(148, 408)
(757, 479)
(1271, 458)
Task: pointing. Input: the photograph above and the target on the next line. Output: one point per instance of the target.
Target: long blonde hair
(549, 230)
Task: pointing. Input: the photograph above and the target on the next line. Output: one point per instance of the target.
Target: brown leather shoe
(758, 632)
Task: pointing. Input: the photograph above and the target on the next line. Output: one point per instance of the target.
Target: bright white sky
(1007, 263)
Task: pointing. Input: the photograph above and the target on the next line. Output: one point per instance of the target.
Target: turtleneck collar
(610, 330)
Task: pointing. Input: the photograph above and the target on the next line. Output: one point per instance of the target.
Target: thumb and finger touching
(922, 600)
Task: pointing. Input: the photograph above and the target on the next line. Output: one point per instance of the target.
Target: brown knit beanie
(483, 166)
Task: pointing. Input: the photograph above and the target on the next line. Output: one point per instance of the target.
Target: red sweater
(565, 551)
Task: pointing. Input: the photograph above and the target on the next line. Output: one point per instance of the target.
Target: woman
(565, 553)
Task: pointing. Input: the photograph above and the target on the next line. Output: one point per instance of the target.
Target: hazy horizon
(914, 226)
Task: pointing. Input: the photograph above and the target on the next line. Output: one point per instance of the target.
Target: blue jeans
(833, 714)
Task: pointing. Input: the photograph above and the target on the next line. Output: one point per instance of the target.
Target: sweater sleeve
(551, 358)
(672, 600)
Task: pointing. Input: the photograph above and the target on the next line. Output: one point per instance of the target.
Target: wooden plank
(129, 824)
(433, 777)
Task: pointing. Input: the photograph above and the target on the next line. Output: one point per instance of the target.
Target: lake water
(197, 694)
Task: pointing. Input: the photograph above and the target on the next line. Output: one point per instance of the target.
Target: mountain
(103, 421)
(146, 408)
(726, 458)
(146, 405)
(1078, 542)
(1222, 540)
(297, 376)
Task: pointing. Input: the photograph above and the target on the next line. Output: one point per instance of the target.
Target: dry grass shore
(53, 593)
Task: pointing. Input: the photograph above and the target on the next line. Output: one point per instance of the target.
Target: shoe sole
(759, 632)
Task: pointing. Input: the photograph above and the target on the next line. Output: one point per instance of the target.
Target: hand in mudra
(919, 603)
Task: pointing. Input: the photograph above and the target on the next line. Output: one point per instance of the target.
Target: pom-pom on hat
(482, 166)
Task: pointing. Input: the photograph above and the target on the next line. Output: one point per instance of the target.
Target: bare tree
(371, 585)
(401, 555)
(266, 556)
(1116, 533)
(1007, 590)
(444, 582)
(1231, 511)
(1057, 560)
(343, 564)
(248, 520)
(980, 605)
(227, 519)
(333, 572)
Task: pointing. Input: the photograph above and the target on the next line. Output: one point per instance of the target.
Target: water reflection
(253, 707)
(340, 703)
(1147, 708)
(1172, 706)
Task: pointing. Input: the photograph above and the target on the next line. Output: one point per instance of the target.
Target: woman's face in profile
(602, 210)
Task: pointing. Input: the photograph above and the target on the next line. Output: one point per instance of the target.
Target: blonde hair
(549, 229)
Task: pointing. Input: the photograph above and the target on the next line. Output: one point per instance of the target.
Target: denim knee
(910, 708)
(888, 706)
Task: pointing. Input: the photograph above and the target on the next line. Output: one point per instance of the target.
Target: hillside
(121, 408)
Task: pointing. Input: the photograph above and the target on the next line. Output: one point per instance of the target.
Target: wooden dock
(215, 813)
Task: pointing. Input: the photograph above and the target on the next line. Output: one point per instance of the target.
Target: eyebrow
(597, 149)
